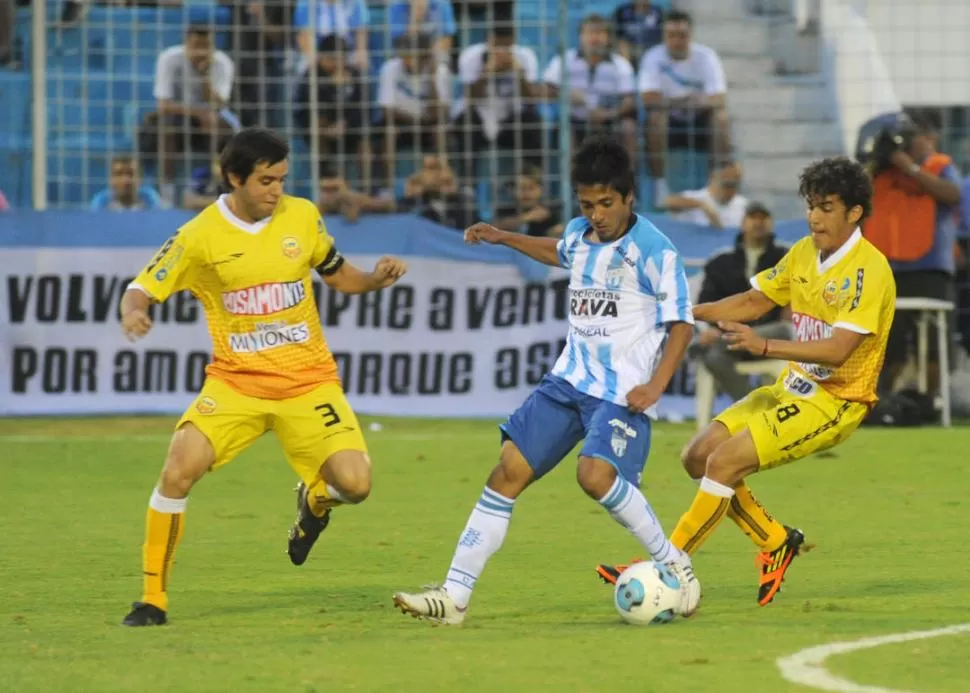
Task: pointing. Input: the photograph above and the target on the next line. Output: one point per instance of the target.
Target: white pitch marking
(806, 667)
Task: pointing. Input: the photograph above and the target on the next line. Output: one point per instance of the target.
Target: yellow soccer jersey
(253, 281)
(853, 289)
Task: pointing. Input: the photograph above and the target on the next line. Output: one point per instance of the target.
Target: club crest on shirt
(205, 405)
(291, 248)
(829, 293)
(614, 278)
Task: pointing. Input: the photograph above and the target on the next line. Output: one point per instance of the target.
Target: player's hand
(708, 336)
(713, 216)
(742, 338)
(388, 270)
(483, 233)
(135, 324)
(642, 397)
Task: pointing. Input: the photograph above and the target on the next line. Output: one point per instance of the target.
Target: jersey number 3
(329, 414)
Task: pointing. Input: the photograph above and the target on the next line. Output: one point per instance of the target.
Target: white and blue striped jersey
(622, 296)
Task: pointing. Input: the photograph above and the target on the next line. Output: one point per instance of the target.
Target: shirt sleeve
(566, 244)
(164, 89)
(172, 269)
(775, 283)
(100, 201)
(470, 65)
(864, 313)
(626, 82)
(714, 80)
(325, 258)
(553, 73)
(664, 277)
(530, 65)
(223, 78)
(650, 72)
(385, 85)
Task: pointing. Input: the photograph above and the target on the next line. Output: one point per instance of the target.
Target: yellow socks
(164, 525)
(748, 514)
(704, 515)
(321, 496)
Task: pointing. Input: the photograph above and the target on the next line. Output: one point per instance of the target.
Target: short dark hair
(249, 147)
(331, 43)
(594, 20)
(603, 160)
(413, 43)
(199, 30)
(837, 176)
(504, 31)
(678, 16)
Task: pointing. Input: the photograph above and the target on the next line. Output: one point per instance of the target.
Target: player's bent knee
(730, 461)
(595, 476)
(512, 474)
(190, 456)
(349, 473)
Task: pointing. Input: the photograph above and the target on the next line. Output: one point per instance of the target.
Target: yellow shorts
(792, 418)
(311, 427)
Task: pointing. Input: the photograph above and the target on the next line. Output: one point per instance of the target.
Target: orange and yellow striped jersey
(852, 289)
(254, 283)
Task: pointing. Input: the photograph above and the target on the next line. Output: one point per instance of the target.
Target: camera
(880, 137)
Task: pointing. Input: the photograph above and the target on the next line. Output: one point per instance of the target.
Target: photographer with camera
(916, 191)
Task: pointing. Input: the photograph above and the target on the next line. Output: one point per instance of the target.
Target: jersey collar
(227, 214)
(834, 259)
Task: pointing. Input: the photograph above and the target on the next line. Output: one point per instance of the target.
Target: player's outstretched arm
(642, 397)
(832, 351)
(743, 307)
(349, 279)
(135, 322)
(543, 249)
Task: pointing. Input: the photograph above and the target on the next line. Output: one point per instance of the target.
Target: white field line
(807, 667)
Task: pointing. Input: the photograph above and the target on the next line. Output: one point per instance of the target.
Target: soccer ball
(647, 593)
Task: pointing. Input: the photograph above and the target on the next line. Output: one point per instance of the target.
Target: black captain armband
(333, 262)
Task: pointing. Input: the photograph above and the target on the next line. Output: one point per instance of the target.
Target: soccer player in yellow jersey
(842, 297)
(248, 259)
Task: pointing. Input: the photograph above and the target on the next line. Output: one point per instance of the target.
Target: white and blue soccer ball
(647, 593)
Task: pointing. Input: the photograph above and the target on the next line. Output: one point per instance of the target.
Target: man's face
(727, 182)
(331, 188)
(528, 191)
(830, 222)
(501, 48)
(124, 179)
(756, 227)
(594, 39)
(329, 62)
(923, 144)
(198, 49)
(677, 39)
(263, 189)
(606, 209)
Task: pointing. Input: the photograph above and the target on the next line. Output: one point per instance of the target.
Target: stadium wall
(468, 332)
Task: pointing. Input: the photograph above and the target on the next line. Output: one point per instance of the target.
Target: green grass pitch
(888, 512)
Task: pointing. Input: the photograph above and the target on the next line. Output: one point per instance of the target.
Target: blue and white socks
(628, 506)
(483, 536)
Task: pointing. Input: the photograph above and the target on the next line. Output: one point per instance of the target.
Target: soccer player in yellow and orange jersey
(842, 297)
(248, 258)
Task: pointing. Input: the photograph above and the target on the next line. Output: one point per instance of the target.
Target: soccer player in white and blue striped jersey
(630, 323)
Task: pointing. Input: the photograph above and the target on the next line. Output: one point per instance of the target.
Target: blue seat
(15, 98)
(75, 175)
(15, 170)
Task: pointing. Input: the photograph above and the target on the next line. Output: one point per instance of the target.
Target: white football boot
(690, 586)
(433, 604)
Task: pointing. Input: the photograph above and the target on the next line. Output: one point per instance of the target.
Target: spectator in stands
(718, 205)
(340, 105)
(193, 83)
(4, 205)
(601, 85)
(338, 198)
(264, 31)
(531, 214)
(683, 89)
(433, 193)
(499, 103)
(205, 188)
(125, 191)
(638, 27)
(432, 18)
(727, 274)
(916, 192)
(415, 94)
(346, 19)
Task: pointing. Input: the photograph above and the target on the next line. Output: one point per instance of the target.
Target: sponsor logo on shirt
(269, 336)
(809, 329)
(593, 303)
(264, 299)
(205, 405)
